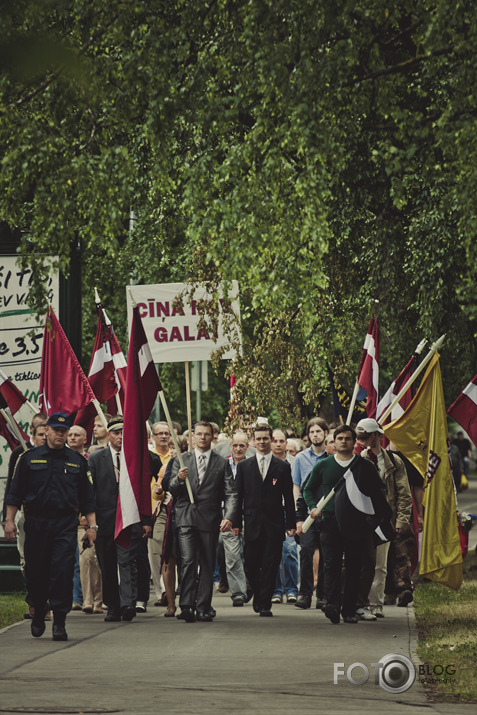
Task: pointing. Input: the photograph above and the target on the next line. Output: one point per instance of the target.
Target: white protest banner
(20, 349)
(171, 318)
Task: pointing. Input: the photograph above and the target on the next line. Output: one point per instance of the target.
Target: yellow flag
(421, 434)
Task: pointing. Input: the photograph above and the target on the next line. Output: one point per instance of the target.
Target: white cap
(368, 425)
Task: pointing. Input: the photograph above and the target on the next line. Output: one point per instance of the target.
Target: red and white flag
(120, 370)
(106, 361)
(142, 386)
(464, 410)
(63, 385)
(368, 372)
(394, 390)
(11, 394)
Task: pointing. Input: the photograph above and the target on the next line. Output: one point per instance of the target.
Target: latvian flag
(11, 394)
(464, 410)
(368, 372)
(142, 386)
(360, 502)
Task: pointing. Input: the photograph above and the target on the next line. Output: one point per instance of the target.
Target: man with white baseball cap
(393, 473)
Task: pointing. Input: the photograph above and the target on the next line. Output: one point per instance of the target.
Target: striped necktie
(118, 466)
(201, 467)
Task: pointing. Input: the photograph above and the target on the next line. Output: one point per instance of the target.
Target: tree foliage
(322, 154)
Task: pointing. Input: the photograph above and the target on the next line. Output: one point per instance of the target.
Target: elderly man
(119, 596)
(53, 483)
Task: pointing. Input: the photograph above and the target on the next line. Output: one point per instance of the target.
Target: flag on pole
(120, 370)
(142, 386)
(11, 394)
(393, 391)
(368, 372)
(102, 373)
(421, 434)
(464, 410)
(6, 429)
(63, 385)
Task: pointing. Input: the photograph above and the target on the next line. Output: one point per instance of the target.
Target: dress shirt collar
(266, 464)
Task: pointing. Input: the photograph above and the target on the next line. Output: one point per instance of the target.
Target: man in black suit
(265, 490)
(198, 524)
(120, 596)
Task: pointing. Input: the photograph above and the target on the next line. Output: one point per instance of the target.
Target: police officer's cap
(60, 420)
(115, 423)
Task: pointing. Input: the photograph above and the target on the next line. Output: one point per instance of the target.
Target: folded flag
(360, 499)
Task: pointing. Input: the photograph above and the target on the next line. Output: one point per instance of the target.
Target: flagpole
(352, 403)
(176, 444)
(7, 416)
(189, 411)
(323, 501)
(434, 348)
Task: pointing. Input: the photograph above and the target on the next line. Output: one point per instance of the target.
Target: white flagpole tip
(421, 346)
(133, 302)
(96, 295)
(438, 343)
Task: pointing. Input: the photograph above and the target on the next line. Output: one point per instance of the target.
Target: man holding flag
(358, 508)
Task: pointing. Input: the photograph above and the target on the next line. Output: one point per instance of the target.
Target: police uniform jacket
(52, 482)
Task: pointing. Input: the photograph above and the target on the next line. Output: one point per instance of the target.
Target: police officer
(52, 483)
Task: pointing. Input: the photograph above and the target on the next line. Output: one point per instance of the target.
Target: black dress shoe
(303, 602)
(266, 613)
(237, 602)
(202, 617)
(128, 613)
(212, 612)
(112, 616)
(332, 613)
(59, 632)
(187, 615)
(350, 619)
(37, 626)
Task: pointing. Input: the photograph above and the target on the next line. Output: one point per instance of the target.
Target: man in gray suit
(198, 524)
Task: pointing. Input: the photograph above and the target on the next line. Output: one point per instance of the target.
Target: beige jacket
(398, 493)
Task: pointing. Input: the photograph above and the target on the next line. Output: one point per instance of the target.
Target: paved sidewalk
(240, 663)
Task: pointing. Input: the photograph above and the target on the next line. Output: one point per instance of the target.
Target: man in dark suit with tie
(265, 491)
(198, 524)
(119, 595)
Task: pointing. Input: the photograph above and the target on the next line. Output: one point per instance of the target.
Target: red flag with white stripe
(394, 390)
(63, 385)
(142, 386)
(13, 397)
(368, 373)
(120, 369)
(464, 410)
(102, 375)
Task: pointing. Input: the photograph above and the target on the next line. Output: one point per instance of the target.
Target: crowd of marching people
(237, 514)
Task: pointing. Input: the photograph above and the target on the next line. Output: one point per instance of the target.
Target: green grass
(12, 608)
(447, 624)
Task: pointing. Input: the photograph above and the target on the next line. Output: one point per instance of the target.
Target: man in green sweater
(346, 530)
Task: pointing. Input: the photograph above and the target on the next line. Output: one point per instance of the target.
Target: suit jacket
(106, 488)
(268, 503)
(217, 487)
